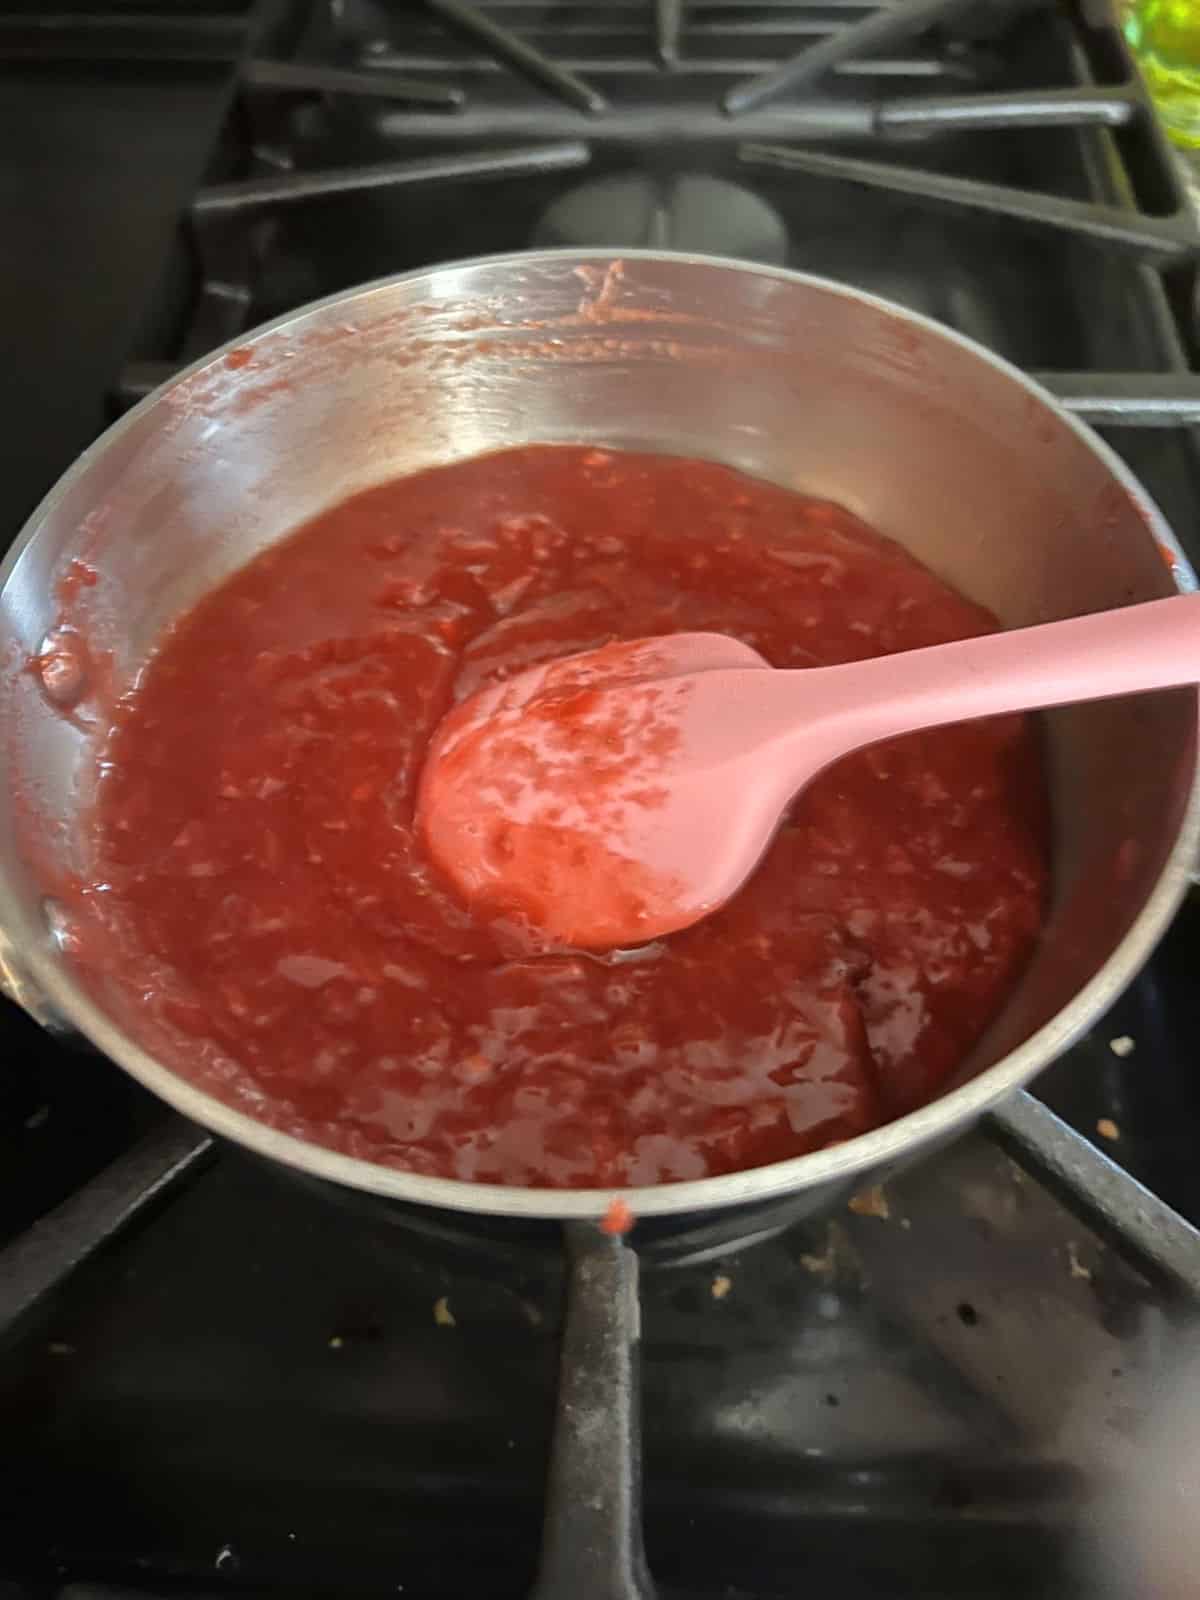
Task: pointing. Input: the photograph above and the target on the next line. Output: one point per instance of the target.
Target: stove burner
(690, 212)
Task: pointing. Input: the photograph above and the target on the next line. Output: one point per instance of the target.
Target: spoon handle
(1155, 645)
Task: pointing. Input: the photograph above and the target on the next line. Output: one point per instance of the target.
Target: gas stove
(216, 1380)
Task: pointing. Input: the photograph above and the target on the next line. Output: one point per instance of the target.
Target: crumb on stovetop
(1107, 1128)
(823, 1265)
(721, 1286)
(871, 1202)
(1122, 1045)
(1078, 1270)
(442, 1313)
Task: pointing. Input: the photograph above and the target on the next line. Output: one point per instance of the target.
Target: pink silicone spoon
(611, 797)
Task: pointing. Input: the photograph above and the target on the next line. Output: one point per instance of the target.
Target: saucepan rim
(835, 1166)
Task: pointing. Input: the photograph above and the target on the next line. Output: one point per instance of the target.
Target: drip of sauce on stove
(268, 907)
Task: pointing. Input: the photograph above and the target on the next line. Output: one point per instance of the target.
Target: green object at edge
(1165, 37)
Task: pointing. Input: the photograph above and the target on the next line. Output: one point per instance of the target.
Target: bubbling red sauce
(268, 906)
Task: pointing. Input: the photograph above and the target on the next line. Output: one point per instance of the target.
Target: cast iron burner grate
(958, 1320)
(677, 109)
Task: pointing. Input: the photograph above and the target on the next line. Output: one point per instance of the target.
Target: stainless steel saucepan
(925, 435)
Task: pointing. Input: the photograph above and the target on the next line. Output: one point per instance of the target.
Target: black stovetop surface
(259, 1393)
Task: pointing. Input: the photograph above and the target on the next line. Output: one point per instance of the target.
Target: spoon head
(588, 799)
